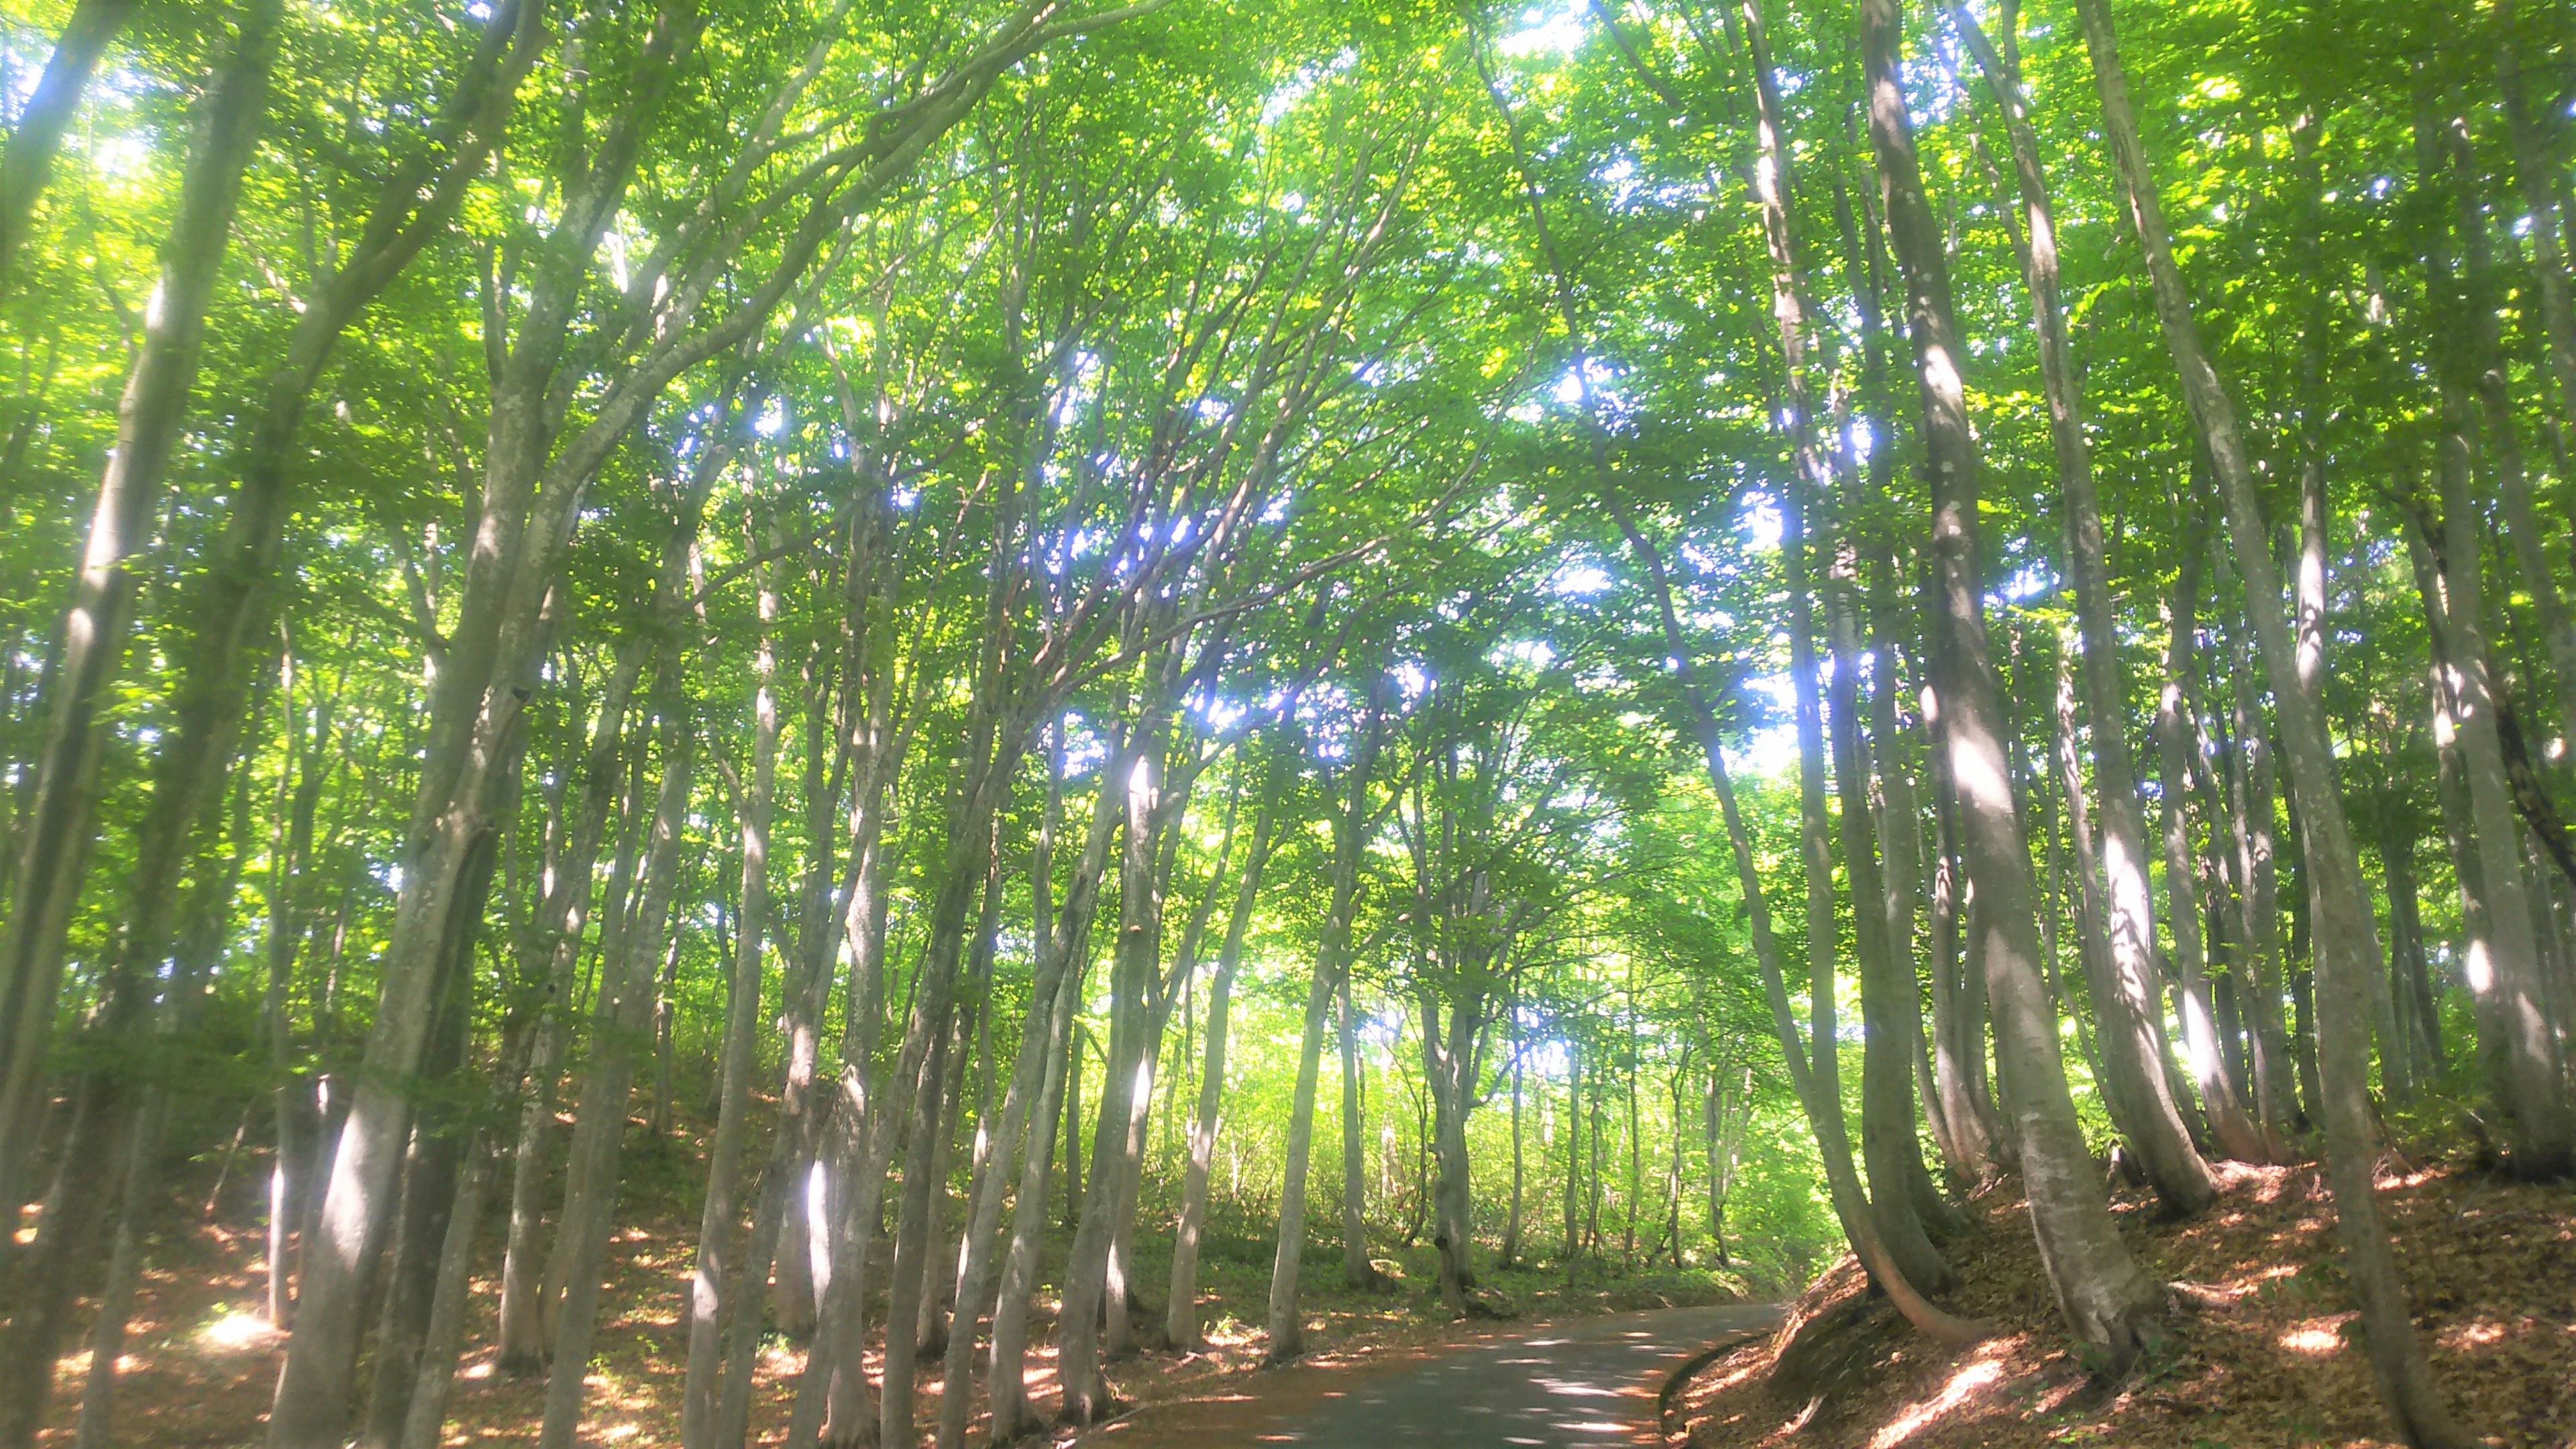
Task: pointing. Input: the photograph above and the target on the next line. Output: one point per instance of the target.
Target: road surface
(1569, 1385)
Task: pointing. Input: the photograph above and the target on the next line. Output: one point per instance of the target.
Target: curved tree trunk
(2126, 998)
(56, 832)
(2108, 1302)
(2347, 943)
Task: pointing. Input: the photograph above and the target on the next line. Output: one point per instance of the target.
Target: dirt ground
(201, 1363)
(2490, 1266)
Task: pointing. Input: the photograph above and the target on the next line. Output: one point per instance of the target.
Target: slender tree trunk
(1006, 1386)
(1181, 1317)
(2489, 368)
(1285, 1324)
(1510, 1256)
(565, 912)
(1032, 1068)
(2109, 1303)
(1891, 1009)
(1824, 1114)
(621, 1015)
(707, 1295)
(2349, 945)
(2519, 1047)
(420, 1231)
(1573, 1153)
(2125, 996)
(2549, 261)
(2419, 1017)
(2258, 914)
(56, 829)
(1357, 1270)
(2235, 1133)
(28, 161)
(2508, 978)
(1125, 1088)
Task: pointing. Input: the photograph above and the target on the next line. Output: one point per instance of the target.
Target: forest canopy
(1036, 646)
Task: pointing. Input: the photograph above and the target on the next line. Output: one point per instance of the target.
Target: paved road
(1580, 1383)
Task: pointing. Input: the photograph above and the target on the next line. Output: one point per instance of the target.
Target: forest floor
(201, 1362)
(2490, 1266)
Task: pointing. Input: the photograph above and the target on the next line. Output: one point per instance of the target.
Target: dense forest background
(987, 661)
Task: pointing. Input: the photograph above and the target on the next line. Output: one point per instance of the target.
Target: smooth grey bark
(2409, 967)
(2347, 943)
(565, 914)
(1126, 1083)
(2548, 255)
(1824, 1115)
(1357, 1270)
(942, 1300)
(2509, 977)
(2108, 1302)
(1065, 940)
(1181, 1325)
(1510, 1254)
(1285, 1325)
(429, 1179)
(621, 1016)
(2488, 367)
(1452, 1055)
(2126, 995)
(56, 829)
(709, 1294)
(1037, 1070)
(2254, 864)
(1891, 1005)
(2233, 1130)
(425, 1415)
(1900, 1228)
(2503, 966)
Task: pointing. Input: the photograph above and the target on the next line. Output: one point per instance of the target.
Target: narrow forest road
(1579, 1382)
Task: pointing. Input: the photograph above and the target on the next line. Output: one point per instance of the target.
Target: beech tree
(1728, 621)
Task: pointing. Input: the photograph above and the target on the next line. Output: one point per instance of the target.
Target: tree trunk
(2125, 995)
(1033, 1070)
(28, 161)
(2234, 1131)
(1510, 1256)
(1006, 1386)
(56, 829)
(1891, 1007)
(620, 1015)
(1125, 1088)
(420, 1231)
(1357, 1270)
(1285, 1325)
(2110, 1305)
(2258, 914)
(2520, 1050)
(2348, 944)
(1573, 1153)
(708, 1296)
(1181, 1315)
(1824, 1115)
(2549, 262)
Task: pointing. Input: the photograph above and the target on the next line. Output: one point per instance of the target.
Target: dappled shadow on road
(1561, 1387)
